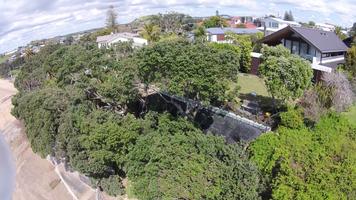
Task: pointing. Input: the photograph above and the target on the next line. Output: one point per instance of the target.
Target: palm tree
(150, 32)
(338, 32)
(29, 53)
(200, 33)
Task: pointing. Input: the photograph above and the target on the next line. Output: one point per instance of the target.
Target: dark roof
(324, 41)
(219, 31)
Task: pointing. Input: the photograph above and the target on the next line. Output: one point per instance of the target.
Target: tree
(40, 111)
(286, 76)
(69, 40)
(111, 16)
(310, 24)
(200, 34)
(256, 43)
(169, 64)
(353, 30)
(339, 33)
(173, 22)
(177, 161)
(215, 21)
(350, 64)
(288, 16)
(28, 53)
(151, 32)
(315, 163)
(245, 44)
(32, 74)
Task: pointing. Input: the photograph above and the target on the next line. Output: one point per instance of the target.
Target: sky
(22, 21)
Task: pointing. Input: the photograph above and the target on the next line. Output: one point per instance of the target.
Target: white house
(325, 27)
(272, 24)
(218, 34)
(108, 40)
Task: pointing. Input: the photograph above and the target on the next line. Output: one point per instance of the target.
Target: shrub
(342, 94)
(309, 164)
(292, 118)
(113, 185)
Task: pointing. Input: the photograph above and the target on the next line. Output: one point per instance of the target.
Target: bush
(309, 164)
(286, 76)
(195, 71)
(177, 161)
(113, 185)
(342, 95)
(292, 118)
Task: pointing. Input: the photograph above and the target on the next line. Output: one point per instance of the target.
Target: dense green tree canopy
(244, 42)
(40, 111)
(196, 71)
(176, 161)
(215, 21)
(310, 164)
(151, 32)
(82, 105)
(286, 76)
(351, 60)
(77, 109)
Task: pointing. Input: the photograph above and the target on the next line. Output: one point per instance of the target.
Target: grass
(129, 190)
(3, 58)
(351, 115)
(250, 83)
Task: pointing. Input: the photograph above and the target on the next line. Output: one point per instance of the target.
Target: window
(274, 25)
(325, 55)
(303, 48)
(337, 53)
(288, 44)
(295, 47)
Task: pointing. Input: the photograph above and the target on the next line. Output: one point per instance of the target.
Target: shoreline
(7, 170)
(35, 178)
(38, 178)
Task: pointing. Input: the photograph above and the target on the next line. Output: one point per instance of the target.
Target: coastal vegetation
(78, 104)
(86, 107)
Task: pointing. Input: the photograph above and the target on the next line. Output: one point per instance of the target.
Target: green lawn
(3, 58)
(351, 115)
(251, 83)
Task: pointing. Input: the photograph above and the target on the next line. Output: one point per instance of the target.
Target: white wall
(138, 42)
(212, 38)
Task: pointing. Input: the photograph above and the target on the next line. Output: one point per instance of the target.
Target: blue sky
(22, 21)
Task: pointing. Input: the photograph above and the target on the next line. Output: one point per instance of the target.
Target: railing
(307, 57)
(333, 58)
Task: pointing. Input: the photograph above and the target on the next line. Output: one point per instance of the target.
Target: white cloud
(22, 20)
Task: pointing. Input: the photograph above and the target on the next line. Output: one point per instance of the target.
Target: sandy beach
(36, 178)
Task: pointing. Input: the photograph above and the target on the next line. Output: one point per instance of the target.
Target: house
(108, 40)
(240, 22)
(325, 27)
(323, 49)
(218, 34)
(270, 25)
